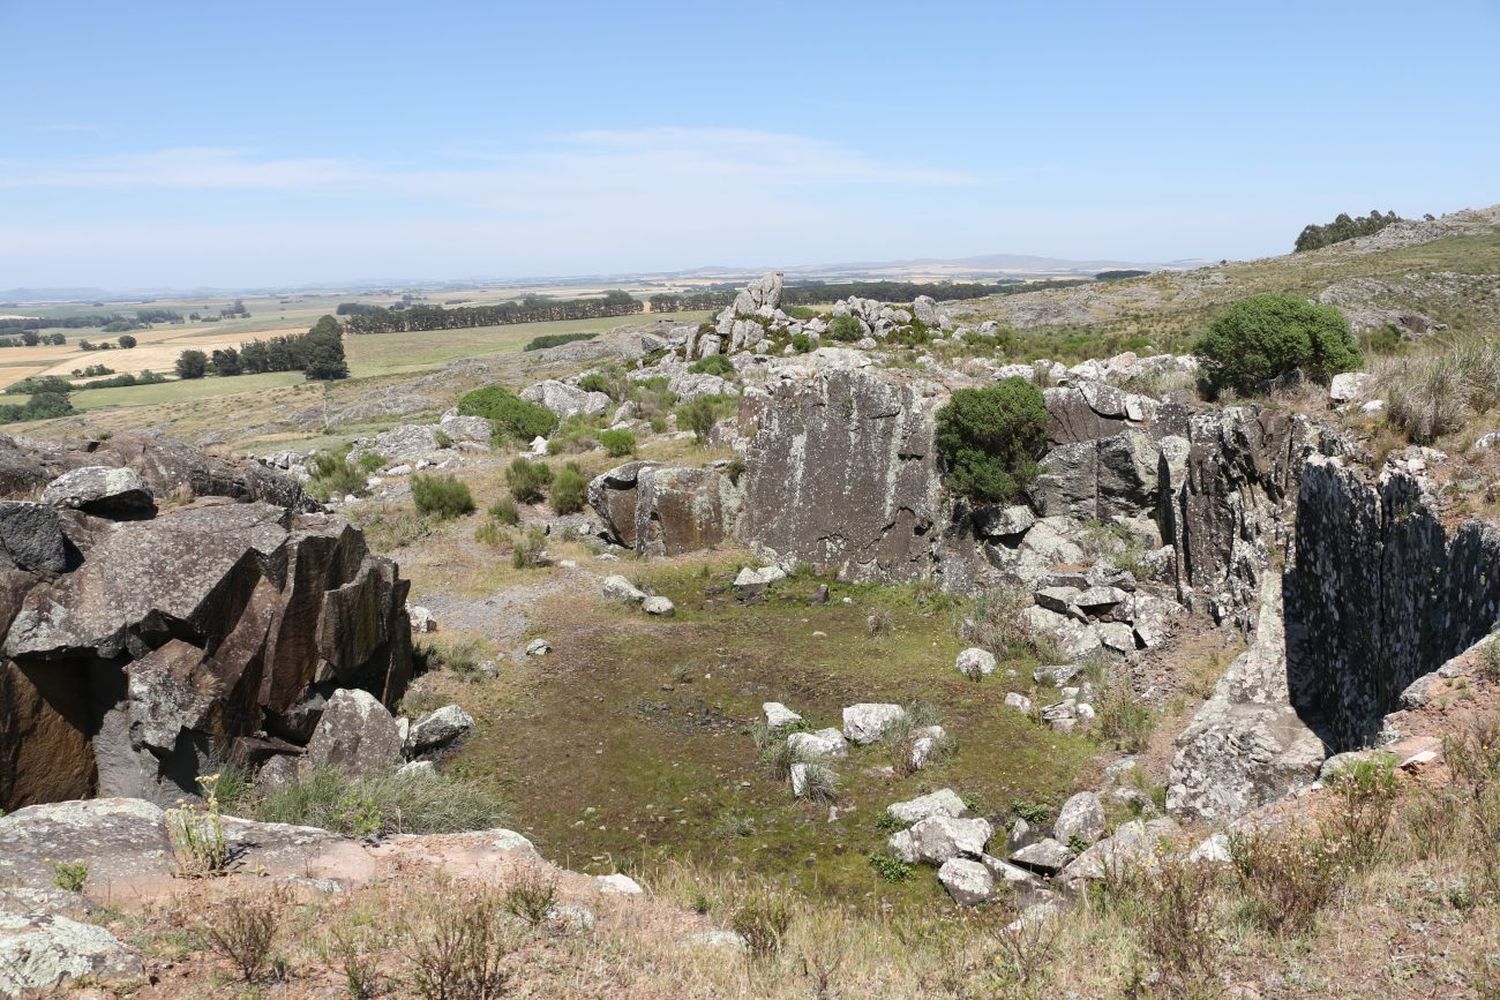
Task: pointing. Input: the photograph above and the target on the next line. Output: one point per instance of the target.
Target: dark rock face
(665, 510)
(30, 537)
(160, 641)
(841, 473)
(1381, 593)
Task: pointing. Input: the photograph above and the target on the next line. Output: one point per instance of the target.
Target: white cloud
(650, 157)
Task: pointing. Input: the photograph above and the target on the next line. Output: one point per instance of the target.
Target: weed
(243, 930)
(197, 836)
(70, 876)
(1366, 794)
(353, 959)
(762, 920)
(462, 954)
(1489, 661)
(331, 800)
(531, 896)
(1287, 876)
(1125, 721)
(1034, 813)
(492, 534)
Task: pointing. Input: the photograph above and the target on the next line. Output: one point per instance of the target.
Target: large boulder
(439, 731)
(867, 722)
(45, 943)
(939, 838)
(665, 510)
(1080, 818)
(968, 882)
(358, 735)
(565, 399)
(98, 489)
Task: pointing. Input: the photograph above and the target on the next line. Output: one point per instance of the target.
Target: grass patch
(381, 805)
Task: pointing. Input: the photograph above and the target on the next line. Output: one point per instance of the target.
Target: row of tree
(360, 318)
(318, 353)
(1344, 228)
(111, 322)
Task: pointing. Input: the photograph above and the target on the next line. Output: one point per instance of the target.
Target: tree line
(111, 322)
(360, 318)
(318, 353)
(1344, 228)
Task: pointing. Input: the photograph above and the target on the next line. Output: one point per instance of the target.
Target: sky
(177, 145)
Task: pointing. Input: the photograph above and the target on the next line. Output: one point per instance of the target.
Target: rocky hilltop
(164, 611)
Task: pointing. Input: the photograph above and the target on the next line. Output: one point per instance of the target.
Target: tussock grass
(380, 805)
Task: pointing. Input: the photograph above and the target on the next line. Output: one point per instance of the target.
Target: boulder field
(163, 611)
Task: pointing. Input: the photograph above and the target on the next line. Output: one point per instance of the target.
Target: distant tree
(30, 338)
(1269, 335)
(1343, 228)
(57, 339)
(226, 361)
(127, 341)
(323, 351)
(192, 364)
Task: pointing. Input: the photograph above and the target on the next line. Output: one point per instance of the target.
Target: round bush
(443, 496)
(846, 329)
(618, 443)
(989, 439)
(527, 479)
(569, 490)
(1266, 336)
(508, 414)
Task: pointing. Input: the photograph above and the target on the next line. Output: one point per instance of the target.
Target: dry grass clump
(243, 931)
(1433, 395)
(461, 954)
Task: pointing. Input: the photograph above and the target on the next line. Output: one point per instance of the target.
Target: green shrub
(890, 867)
(568, 490)
(555, 340)
(505, 511)
(989, 439)
(801, 343)
(527, 479)
(762, 920)
(370, 462)
(509, 414)
(333, 476)
(714, 364)
(701, 414)
(443, 496)
(618, 443)
(845, 329)
(1268, 335)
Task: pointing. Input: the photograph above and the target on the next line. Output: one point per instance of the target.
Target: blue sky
(165, 144)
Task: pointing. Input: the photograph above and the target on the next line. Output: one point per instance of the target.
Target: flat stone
(943, 802)
(778, 716)
(822, 743)
(867, 722)
(1047, 857)
(968, 882)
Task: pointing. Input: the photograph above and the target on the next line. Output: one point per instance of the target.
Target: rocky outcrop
(565, 399)
(840, 473)
(170, 468)
(665, 510)
(165, 643)
(1381, 593)
(1247, 746)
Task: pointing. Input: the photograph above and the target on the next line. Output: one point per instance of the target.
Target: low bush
(555, 340)
(505, 511)
(443, 496)
(509, 415)
(989, 439)
(714, 364)
(618, 443)
(1365, 793)
(333, 477)
(801, 343)
(569, 490)
(845, 329)
(700, 415)
(1287, 876)
(527, 479)
(531, 896)
(529, 548)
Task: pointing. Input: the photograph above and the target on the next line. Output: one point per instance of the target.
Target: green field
(369, 356)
